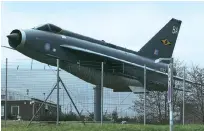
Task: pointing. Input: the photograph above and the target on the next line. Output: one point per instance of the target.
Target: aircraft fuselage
(45, 47)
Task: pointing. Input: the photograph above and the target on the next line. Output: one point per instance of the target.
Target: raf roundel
(47, 46)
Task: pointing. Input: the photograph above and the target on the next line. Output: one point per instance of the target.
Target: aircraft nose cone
(13, 37)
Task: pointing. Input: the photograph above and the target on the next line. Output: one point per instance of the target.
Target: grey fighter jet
(82, 56)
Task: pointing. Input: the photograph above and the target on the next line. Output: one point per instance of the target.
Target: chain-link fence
(30, 81)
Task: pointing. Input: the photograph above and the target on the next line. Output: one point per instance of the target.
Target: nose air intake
(13, 36)
(16, 38)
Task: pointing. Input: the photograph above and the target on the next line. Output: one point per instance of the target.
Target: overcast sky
(129, 25)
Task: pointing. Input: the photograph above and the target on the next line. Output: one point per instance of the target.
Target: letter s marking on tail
(175, 30)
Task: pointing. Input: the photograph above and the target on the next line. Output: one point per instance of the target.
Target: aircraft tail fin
(162, 44)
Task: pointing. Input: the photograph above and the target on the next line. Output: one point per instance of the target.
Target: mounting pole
(5, 107)
(57, 91)
(184, 95)
(144, 94)
(101, 93)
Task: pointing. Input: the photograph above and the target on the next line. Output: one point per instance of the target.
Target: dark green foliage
(10, 117)
(71, 116)
(115, 115)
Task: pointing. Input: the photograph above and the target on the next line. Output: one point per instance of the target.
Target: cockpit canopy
(49, 27)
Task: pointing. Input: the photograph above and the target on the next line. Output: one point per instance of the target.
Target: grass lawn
(71, 126)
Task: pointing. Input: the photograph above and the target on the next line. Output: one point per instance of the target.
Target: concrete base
(97, 103)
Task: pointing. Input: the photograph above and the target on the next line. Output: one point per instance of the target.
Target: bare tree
(156, 101)
(196, 96)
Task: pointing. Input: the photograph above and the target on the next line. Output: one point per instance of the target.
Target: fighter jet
(82, 56)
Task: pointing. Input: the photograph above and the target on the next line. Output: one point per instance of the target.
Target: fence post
(144, 94)
(170, 94)
(101, 93)
(5, 108)
(57, 91)
(184, 95)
